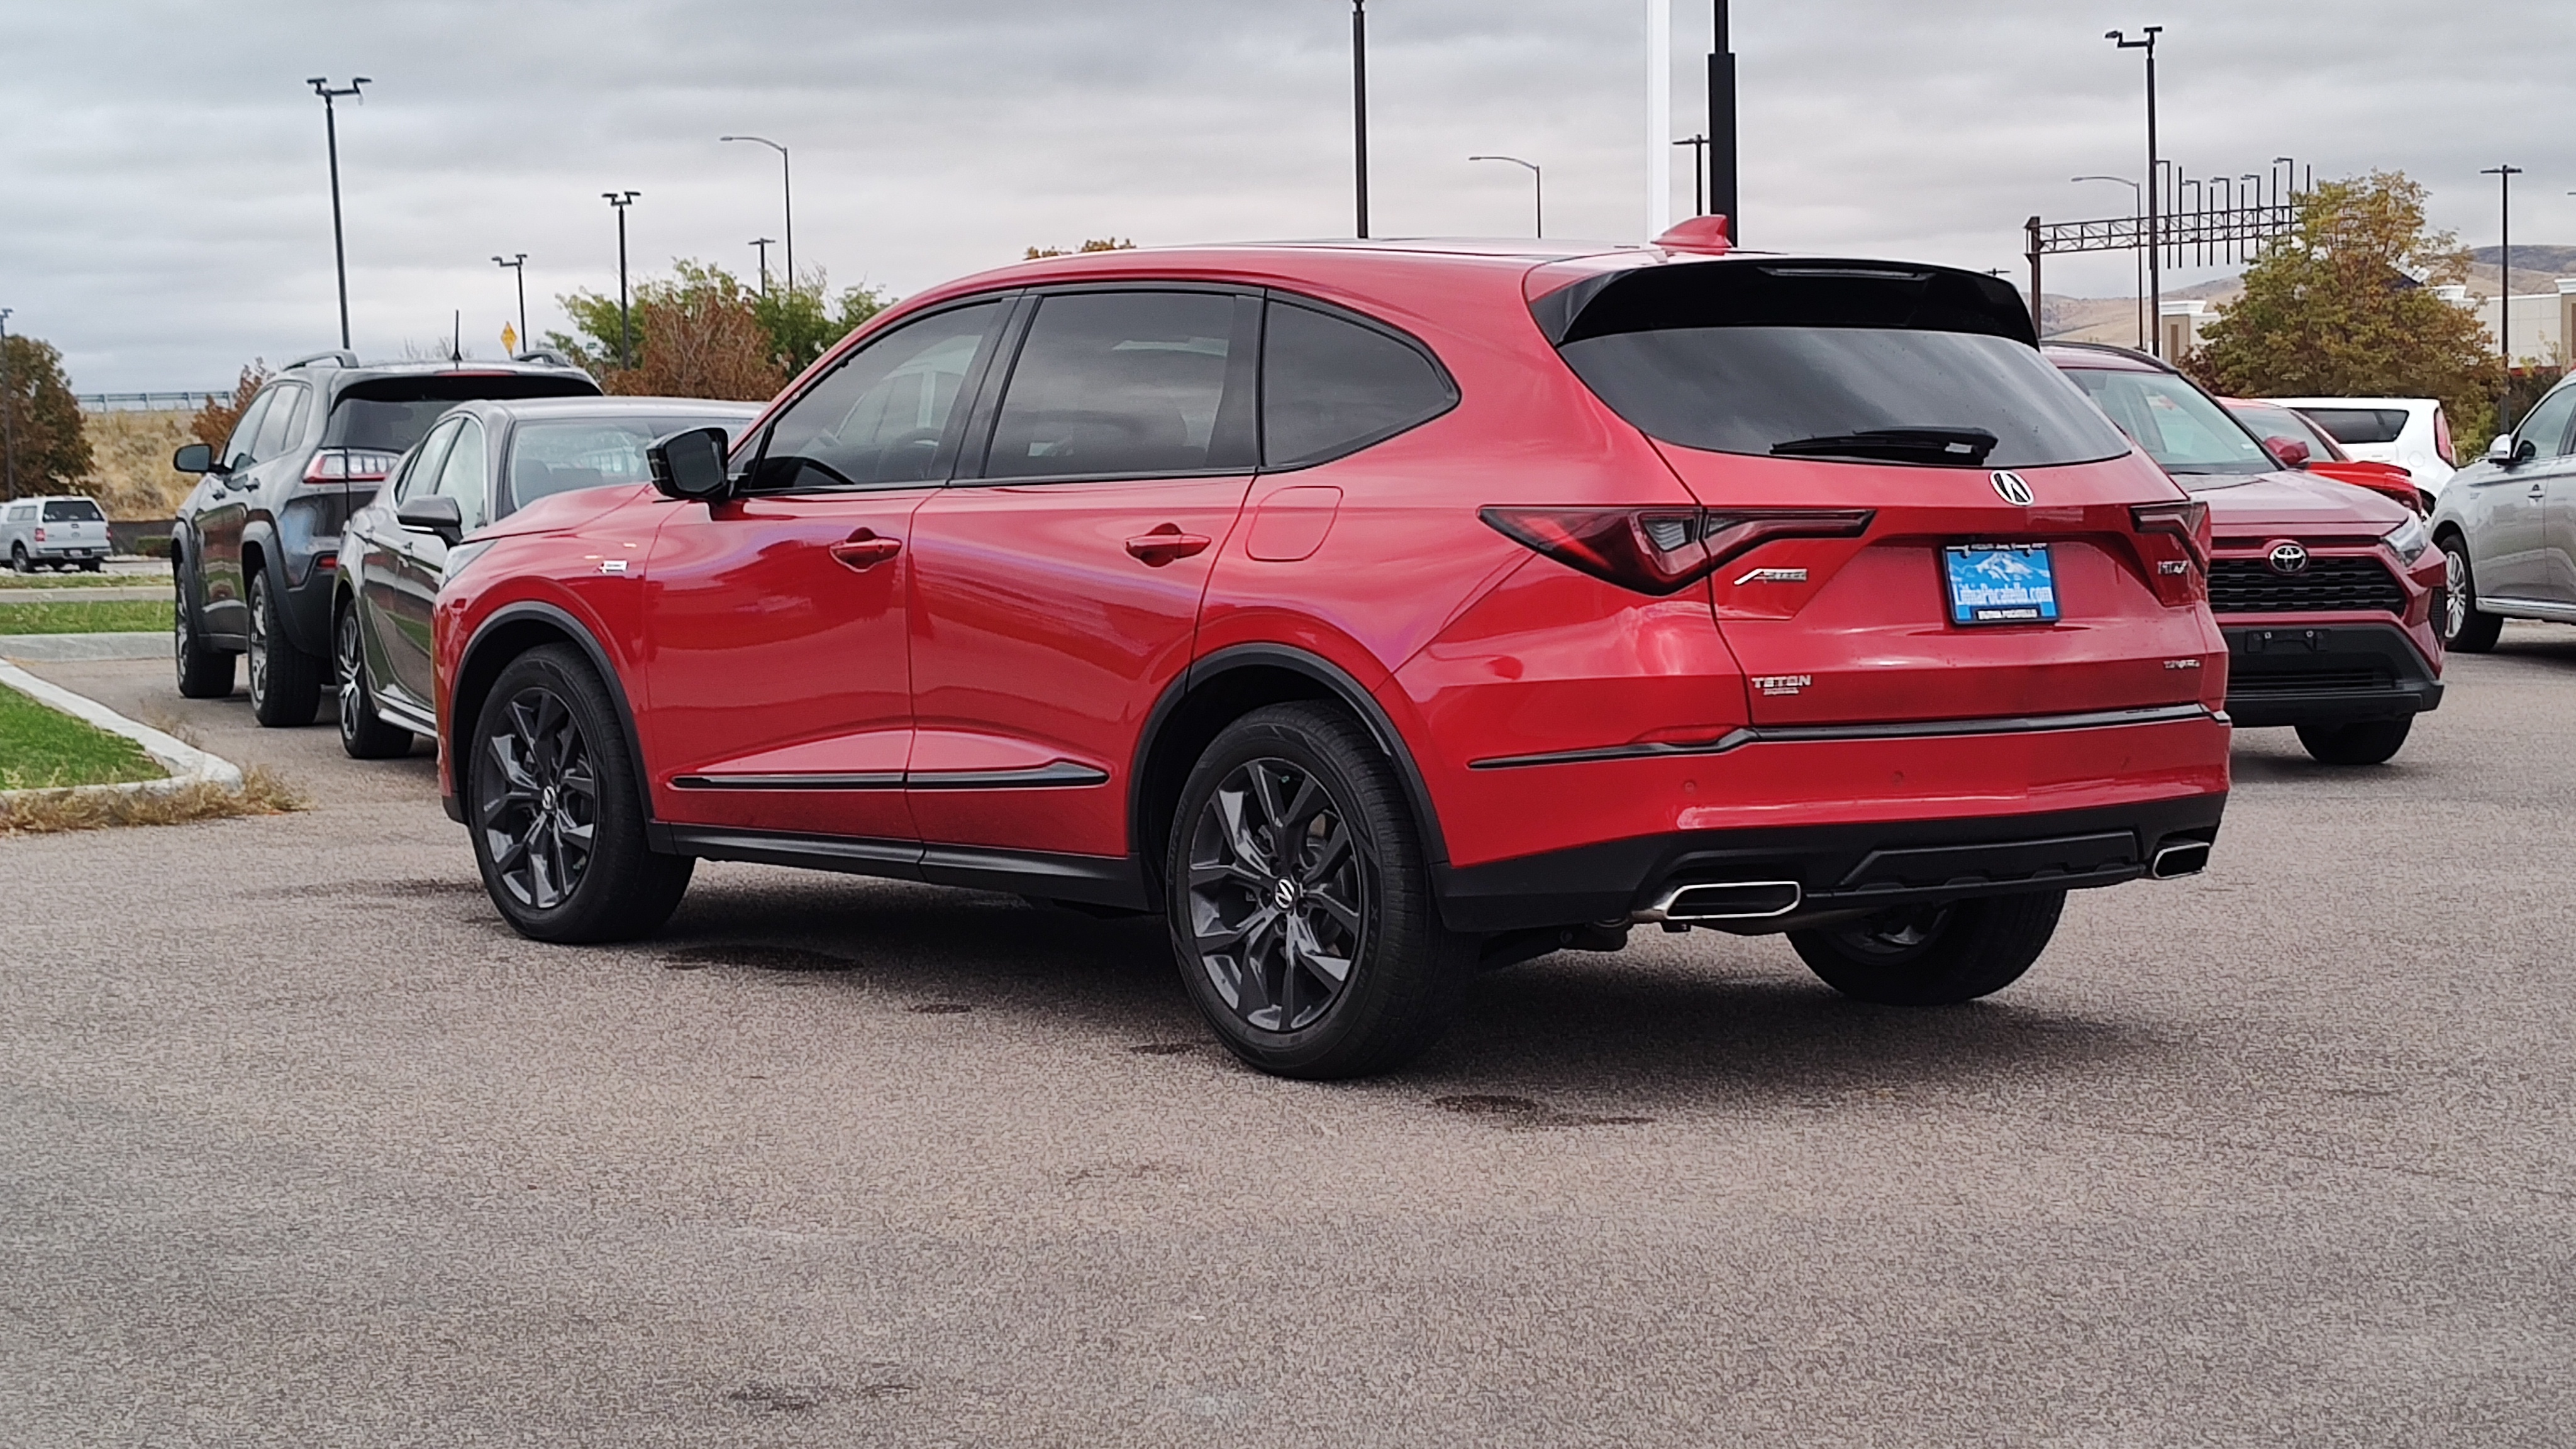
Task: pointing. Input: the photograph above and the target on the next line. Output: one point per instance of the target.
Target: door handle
(2537, 493)
(863, 550)
(1165, 544)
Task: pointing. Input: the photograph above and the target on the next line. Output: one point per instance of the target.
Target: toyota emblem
(2014, 490)
(2288, 558)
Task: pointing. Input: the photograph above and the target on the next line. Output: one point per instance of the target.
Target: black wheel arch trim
(565, 622)
(1336, 681)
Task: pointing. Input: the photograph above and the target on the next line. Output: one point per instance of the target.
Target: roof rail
(545, 355)
(338, 356)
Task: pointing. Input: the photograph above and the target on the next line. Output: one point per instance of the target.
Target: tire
(2372, 743)
(1933, 955)
(18, 561)
(285, 682)
(2465, 628)
(205, 672)
(364, 735)
(1359, 887)
(551, 803)
(92, 566)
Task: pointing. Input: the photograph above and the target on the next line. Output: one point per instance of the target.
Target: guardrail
(119, 402)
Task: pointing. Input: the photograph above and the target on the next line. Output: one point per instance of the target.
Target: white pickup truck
(60, 531)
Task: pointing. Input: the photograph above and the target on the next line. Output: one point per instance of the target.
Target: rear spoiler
(1770, 291)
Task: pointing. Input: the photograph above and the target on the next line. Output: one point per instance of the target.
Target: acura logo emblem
(2288, 558)
(2013, 489)
(1283, 894)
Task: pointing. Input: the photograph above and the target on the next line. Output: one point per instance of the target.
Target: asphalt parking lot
(298, 1145)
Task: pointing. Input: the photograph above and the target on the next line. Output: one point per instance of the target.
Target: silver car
(2507, 527)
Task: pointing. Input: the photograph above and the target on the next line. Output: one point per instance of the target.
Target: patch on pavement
(1520, 1114)
(755, 957)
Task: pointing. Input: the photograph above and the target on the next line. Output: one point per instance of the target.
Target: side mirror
(690, 465)
(433, 513)
(195, 458)
(2290, 451)
(2502, 451)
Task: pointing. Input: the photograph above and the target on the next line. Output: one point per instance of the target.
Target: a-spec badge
(612, 565)
(1782, 683)
(1773, 576)
(2014, 489)
(2287, 557)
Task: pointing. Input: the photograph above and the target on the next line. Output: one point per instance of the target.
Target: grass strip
(108, 616)
(41, 748)
(10, 582)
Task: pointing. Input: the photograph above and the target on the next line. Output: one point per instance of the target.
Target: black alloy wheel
(1279, 897)
(551, 801)
(285, 682)
(1933, 955)
(2465, 627)
(204, 672)
(364, 735)
(1300, 902)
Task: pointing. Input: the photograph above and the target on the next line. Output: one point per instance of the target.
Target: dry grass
(130, 472)
(263, 792)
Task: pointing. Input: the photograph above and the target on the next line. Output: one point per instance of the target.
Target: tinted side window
(1331, 386)
(238, 449)
(420, 478)
(882, 418)
(2360, 425)
(280, 428)
(461, 478)
(1125, 385)
(2545, 427)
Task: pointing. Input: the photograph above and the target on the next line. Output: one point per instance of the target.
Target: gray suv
(256, 546)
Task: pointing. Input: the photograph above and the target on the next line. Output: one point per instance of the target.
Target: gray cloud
(161, 165)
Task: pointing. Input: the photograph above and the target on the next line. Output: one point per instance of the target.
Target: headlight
(462, 555)
(2408, 540)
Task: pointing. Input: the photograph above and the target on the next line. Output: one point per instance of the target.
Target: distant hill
(2536, 267)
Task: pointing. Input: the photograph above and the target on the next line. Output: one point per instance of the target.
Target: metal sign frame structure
(2183, 230)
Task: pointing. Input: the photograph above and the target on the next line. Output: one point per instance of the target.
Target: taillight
(348, 465)
(2173, 542)
(40, 535)
(1664, 550)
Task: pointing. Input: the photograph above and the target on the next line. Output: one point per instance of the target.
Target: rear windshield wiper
(1966, 447)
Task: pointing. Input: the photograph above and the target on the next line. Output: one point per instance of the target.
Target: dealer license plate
(2006, 584)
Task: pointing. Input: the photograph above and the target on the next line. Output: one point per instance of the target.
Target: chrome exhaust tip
(2190, 857)
(1732, 900)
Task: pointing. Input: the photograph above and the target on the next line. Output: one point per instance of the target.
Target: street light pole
(1538, 189)
(1722, 198)
(787, 199)
(8, 409)
(331, 135)
(2137, 204)
(1359, 108)
(625, 329)
(1699, 172)
(2504, 294)
(2155, 263)
(519, 265)
(762, 244)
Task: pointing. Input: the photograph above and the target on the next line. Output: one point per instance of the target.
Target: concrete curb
(84, 648)
(187, 764)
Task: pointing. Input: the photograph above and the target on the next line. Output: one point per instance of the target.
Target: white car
(60, 531)
(2411, 432)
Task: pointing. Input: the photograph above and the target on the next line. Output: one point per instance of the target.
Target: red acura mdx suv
(1376, 613)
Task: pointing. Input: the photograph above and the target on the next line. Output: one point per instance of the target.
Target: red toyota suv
(2328, 594)
(1375, 613)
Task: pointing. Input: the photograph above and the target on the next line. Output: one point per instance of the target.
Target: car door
(778, 691)
(2554, 462)
(1057, 590)
(419, 564)
(2507, 511)
(222, 603)
(384, 556)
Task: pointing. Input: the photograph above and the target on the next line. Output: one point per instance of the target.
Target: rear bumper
(1839, 867)
(2290, 674)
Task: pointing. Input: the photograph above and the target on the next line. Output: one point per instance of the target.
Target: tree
(2345, 307)
(795, 323)
(40, 421)
(1096, 244)
(215, 421)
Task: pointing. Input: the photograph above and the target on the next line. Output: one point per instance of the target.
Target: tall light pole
(786, 197)
(1359, 109)
(2504, 294)
(1699, 172)
(8, 409)
(1723, 199)
(2155, 263)
(762, 244)
(625, 329)
(519, 265)
(2137, 205)
(331, 135)
(1538, 190)
(1659, 118)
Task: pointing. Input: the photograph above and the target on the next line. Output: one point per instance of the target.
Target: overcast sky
(164, 215)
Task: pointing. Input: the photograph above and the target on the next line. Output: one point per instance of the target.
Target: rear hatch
(71, 526)
(1913, 516)
(375, 420)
